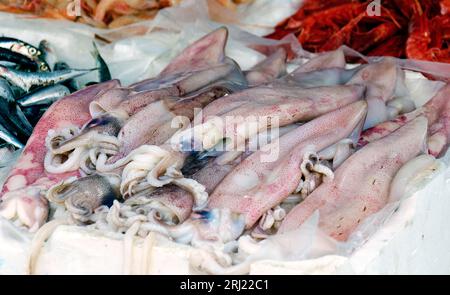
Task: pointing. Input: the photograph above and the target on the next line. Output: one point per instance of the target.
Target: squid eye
(32, 50)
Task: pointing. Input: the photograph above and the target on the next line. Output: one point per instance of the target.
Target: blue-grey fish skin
(12, 113)
(16, 118)
(103, 71)
(20, 46)
(44, 96)
(28, 80)
(8, 137)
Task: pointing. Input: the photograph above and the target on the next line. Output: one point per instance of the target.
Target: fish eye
(32, 50)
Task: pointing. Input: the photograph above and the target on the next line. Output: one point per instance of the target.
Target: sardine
(44, 96)
(25, 49)
(103, 71)
(27, 81)
(22, 61)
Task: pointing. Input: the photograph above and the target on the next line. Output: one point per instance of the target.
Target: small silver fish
(18, 59)
(27, 80)
(25, 49)
(44, 96)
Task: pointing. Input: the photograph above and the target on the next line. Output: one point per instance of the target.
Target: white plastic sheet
(141, 50)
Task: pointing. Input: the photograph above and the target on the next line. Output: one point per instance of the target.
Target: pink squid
(328, 60)
(174, 204)
(199, 75)
(255, 186)
(286, 103)
(261, 105)
(361, 184)
(384, 81)
(437, 111)
(22, 193)
(274, 66)
(191, 70)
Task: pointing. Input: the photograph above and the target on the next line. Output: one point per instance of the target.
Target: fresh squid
(205, 53)
(255, 109)
(218, 158)
(81, 196)
(255, 186)
(361, 184)
(199, 75)
(437, 111)
(271, 68)
(327, 69)
(319, 78)
(22, 197)
(231, 207)
(227, 74)
(159, 116)
(195, 67)
(109, 100)
(384, 81)
(117, 138)
(328, 60)
(174, 204)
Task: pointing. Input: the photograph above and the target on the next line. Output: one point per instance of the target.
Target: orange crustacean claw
(445, 7)
(428, 37)
(415, 29)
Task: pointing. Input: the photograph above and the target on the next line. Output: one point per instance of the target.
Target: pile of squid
(28, 86)
(219, 158)
(401, 28)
